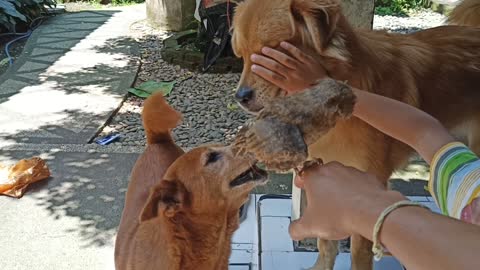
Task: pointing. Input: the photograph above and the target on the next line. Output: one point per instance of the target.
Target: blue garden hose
(10, 59)
(21, 36)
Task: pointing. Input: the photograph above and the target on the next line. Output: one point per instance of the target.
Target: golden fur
(181, 210)
(467, 13)
(437, 70)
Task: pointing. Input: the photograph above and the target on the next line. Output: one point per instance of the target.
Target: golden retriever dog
(437, 70)
(181, 210)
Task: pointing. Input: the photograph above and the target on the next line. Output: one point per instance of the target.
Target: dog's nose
(244, 94)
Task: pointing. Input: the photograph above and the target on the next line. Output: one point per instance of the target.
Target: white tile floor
(239, 267)
(245, 240)
(262, 241)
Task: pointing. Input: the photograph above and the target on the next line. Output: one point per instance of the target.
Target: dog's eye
(213, 157)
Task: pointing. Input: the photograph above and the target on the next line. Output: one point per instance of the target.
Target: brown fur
(280, 134)
(467, 13)
(437, 70)
(183, 217)
(149, 169)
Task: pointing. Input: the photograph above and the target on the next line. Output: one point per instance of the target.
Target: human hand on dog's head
(292, 70)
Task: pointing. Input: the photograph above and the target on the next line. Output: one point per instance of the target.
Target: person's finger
(295, 52)
(316, 169)
(270, 64)
(301, 228)
(280, 57)
(313, 164)
(270, 76)
(298, 181)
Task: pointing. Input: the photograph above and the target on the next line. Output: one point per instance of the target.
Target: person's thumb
(298, 181)
(301, 228)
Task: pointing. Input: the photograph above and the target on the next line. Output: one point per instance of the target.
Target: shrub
(106, 2)
(399, 7)
(126, 2)
(21, 13)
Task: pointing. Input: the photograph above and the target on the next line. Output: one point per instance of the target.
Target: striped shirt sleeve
(454, 178)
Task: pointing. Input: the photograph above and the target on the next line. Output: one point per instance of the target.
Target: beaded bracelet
(377, 248)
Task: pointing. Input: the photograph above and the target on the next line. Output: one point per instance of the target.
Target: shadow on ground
(54, 114)
(88, 183)
(62, 78)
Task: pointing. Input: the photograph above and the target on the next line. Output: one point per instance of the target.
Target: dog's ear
(319, 17)
(167, 198)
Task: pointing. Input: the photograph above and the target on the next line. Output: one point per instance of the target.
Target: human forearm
(419, 238)
(402, 122)
(353, 201)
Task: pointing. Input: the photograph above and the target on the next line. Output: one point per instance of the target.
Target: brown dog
(437, 70)
(161, 152)
(188, 219)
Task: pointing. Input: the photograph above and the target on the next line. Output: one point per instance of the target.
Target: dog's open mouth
(252, 174)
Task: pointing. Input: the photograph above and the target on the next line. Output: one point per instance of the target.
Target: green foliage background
(399, 7)
(113, 2)
(14, 13)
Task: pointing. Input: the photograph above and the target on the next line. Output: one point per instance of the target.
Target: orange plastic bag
(15, 179)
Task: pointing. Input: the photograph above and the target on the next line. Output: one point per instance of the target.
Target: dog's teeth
(250, 174)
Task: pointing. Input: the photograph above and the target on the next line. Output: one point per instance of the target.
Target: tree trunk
(170, 15)
(359, 12)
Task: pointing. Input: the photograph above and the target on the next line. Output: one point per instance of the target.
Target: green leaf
(10, 9)
(29, 2)
(3, 62)
(50, 3)
(232, 106)
(15, 2)
(5, 21)
(145, 89)
(12, 23)
(139, 93)
(153, 86)
(3, 18)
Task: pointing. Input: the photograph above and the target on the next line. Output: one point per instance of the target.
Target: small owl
(280, 135)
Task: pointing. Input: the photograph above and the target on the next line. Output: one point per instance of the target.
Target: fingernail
(284, 44)
(254, 67)
(265, 49)
(254, 57)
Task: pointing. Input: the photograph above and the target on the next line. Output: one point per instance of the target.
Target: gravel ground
(204, 98)
(418, 20)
